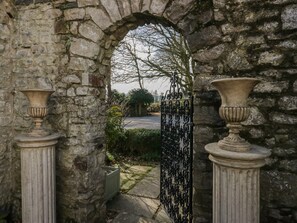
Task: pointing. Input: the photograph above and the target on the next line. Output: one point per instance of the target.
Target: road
(147, 122)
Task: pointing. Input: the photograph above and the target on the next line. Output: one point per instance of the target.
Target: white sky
(159, 85)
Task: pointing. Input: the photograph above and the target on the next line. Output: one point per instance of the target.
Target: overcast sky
(159, 85)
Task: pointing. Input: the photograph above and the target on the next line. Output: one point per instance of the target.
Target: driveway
(146, 122)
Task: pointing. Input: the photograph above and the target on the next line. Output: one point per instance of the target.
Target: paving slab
(125, 177)
(125, 217)
(154, 173)
(137, 169)
(148, 187)
(144, 207)
(128, 185)
(162, 216)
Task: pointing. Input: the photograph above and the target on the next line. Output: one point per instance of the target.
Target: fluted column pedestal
(38, 178)
(236, 184)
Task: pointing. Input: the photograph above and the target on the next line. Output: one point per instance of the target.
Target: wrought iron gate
(177, 153)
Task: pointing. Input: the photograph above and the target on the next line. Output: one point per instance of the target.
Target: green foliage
(143, 140)
(110, 159)
(117, 97)
(151, 156)
(154, 107)
(115, 133)
(140, 96)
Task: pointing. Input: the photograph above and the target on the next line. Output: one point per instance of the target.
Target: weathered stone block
(71, 79)
(295, 86)
(288, 44)
(237, 60)
(158, 6)
(203, 134)
(284, 152)
(207, 36)
(83, 3)
(230, 29)
(135, 6)
(250, 40)
(210, 54)
(96, 81)
(206, 115)
(2, 48)
(82, 91)
(99, 17)
(271, 87)
(273, 58)
(282, 187)
(145, 5)
(23, 2)
(255, 117)
(272, 73)
(81, 64)
(112, 8)
(262, 13)
(4, 32)
(74, 14)
(178, 9)
(219, 3)
(288, 103)
(269, 27)
(256, 133)
(125, 8)
(282, 118)
(289, 165)
(84, 48)
(91, 31)
(262, 102)
(289, 17)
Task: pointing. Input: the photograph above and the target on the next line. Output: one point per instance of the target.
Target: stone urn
(234, 110)
(38, 109)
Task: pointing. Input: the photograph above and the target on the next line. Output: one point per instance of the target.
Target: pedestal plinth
(236, 184)
(38, 178)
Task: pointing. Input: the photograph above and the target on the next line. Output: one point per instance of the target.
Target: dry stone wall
(7, 30)
(257, 39)
(68, 45)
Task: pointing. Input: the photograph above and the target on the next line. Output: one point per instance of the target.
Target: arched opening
(177, 58)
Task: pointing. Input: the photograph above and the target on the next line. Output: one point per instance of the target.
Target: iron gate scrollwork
(177, 153)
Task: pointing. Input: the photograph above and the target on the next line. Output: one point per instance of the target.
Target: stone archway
(40, 44)
(67, 46)
(45, 43)
(92, 42)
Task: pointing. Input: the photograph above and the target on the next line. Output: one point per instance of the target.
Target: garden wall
(257, 39)
(67, 46)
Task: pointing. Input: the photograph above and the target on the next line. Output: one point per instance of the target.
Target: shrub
(138, 100)
(115, 133)
(154, 107)
(143, 140)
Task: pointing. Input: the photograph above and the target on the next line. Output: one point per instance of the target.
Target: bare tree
(153, 52)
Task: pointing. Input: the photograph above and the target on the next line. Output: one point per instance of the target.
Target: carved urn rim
(236, 79)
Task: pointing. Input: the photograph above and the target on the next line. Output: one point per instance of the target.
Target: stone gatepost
(236, 163)
(38, 164)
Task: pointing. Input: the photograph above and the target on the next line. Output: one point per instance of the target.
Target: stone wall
(254, 39)
(67, 46)
(7, 29)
